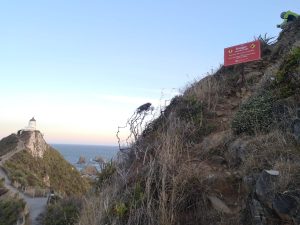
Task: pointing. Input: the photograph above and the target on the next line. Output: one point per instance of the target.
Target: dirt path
(36, 205)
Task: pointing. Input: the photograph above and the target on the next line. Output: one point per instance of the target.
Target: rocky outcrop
(89, 170)
(81, 160)
(99, 159)
(287, 206)
(271, 207)
(265, 186)
(34, 142)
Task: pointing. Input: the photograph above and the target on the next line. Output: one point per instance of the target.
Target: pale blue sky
(82, 67)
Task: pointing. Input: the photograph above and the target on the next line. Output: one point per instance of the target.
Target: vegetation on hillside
(8, 143)
(10, 210)
(63, 212)
(202, 161)
(30, 171)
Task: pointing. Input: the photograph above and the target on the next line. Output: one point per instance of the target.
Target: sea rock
(287, 206)
(89, 170)
(99, 159)
(81, 160)
(265, 186)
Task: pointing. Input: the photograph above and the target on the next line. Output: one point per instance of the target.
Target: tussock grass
(208, 91)
(270, 151)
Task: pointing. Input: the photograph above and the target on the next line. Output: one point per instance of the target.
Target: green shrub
(285, 81)
(190, 109)
(9, 210)
(138, 195)
(105, 174)
(8, 144)
(64, 212)
(289, 65)
(30, 171)
(254, 115)
(121, 209)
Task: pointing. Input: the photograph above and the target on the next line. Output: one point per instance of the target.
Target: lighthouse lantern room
(31, 125)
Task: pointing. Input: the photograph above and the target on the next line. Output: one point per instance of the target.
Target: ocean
(72, 153)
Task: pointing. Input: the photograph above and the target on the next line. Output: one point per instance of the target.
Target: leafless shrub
(136, 124)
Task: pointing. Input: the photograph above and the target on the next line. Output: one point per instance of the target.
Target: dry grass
(209, 90)
(174, 182)
(173, 189)
(275, 150)
(169, 181)
(169, 173)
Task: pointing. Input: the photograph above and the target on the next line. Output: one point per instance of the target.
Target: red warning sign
(242, 53)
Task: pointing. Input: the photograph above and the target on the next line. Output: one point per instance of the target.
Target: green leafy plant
(138, 195)
(29, 171)
(289, 65)
(254, 115)
(286, 83)
(265, 39)
(190, 109)
(64, 212)
(10, 209)
(121, 209)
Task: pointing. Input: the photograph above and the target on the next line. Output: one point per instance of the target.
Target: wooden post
(243, 74)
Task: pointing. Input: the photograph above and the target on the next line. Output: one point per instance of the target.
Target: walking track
(36, 205)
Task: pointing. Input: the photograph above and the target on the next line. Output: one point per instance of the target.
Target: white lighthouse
(31, 125)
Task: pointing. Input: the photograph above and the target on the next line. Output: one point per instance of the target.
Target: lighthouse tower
(31, 125)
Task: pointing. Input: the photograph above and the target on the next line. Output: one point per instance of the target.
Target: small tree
(136, 124)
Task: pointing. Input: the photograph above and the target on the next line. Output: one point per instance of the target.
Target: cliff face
(34, 143)
(226, 151)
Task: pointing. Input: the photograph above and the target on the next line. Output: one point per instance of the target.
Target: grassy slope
(10, 207)
(8, 143)
(30, 171)
(208, 143)
(10, 210)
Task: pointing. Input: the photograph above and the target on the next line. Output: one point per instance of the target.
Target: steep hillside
(226, 151)
(36, 167)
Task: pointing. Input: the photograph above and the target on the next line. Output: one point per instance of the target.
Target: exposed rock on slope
(34, 143)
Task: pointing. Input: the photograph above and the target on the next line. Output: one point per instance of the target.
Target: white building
(31, 125)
